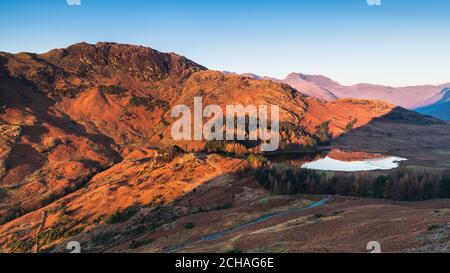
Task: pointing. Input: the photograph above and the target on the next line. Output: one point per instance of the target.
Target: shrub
(138, 244)
(149, 103)
(189, 225)
(323, 133)
(60, 209)
(64, 227)
(257, 161)
(51, 143)
(351, 124)
(234, 250)
(113, 89)
(236, 148)
(13, 212)
(3, 194)
(121, 216)
(379, 186)
(306, 141)
(167, 154)
(224, 206)
(293, 134)
(318, 216)
(157, 201)
(445, 187)
(434, 227)
(21, 246)
(215, 146)
(137, 230)
(104, 238)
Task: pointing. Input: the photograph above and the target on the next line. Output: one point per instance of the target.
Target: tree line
(402, 184)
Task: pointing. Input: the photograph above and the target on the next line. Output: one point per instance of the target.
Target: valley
(87, 155)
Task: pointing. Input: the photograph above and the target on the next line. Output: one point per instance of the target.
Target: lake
(341, 161)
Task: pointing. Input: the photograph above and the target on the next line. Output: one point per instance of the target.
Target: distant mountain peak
(108, 58)
(446, 95)
(320, 80)
(441, 106)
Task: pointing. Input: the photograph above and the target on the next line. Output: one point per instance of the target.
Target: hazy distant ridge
(410, 97)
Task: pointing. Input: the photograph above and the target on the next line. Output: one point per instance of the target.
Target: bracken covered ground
(83, 156)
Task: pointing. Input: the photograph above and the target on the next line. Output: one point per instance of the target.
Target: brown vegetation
(85, 135)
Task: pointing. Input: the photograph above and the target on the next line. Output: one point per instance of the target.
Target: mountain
(310, 85)
(70, 113)
(409, 97)
(86, 141)
(441, 108)
(300, 82)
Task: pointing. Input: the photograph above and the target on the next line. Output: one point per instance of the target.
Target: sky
(398, 43)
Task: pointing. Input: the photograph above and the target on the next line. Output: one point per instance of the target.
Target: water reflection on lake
(330, 164)
(341, 161)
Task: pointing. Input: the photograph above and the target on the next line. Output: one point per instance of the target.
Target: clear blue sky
(401, 42)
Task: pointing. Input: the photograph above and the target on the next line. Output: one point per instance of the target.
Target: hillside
(440, 108)
(85, 137)
(409, 97)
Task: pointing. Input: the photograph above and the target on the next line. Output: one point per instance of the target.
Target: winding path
(261, 219)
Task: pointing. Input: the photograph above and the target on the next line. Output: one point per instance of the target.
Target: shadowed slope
(439, 109)
(81, 127)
